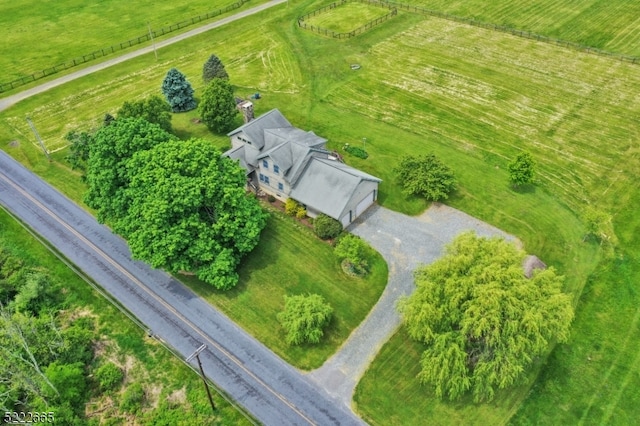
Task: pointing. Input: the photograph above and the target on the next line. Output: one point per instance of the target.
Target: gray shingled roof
(255, 128)
(239, 154)
(328, 185)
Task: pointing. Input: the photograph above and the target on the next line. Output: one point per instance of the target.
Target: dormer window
(276, 169)
(265, 164)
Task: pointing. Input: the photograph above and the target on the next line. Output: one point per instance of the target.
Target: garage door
(366, 202)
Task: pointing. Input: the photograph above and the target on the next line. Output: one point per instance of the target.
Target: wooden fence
(115, 48)
(330, 33)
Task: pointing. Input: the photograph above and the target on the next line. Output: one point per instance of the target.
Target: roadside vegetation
(67, 351)
(474, 98)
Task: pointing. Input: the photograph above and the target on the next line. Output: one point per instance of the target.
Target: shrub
(291, 207)
(301, 213)
(326, 227)
(109, 376)
(425, 175)
(352, 250)
(132, 398)
(271, 198)
(304, 318)
(356, 151)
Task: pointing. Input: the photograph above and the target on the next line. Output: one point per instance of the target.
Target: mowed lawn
(73, 28)
(612, 25)
(347, 17)
(291, 260)
(475, 98)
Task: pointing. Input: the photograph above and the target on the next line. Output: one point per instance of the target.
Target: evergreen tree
(213, 68)
(178, 92)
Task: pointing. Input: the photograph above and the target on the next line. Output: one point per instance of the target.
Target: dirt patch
(178, 397)
(153, 395)
(196, 121)
(14, 144)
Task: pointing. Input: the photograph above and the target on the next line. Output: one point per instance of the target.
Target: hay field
(612, 25)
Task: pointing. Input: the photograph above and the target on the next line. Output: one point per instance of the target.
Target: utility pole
(196, 355)
(35, 132)
(364, 143)
(152, 40)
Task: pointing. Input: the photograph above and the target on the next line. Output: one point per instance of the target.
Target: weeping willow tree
(483, 322)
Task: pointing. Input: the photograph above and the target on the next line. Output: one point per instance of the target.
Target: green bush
(352, 250)
(304, 318)
(356, 151)
(326, 227)
(271, 198)
(109, 376)
(132, 398)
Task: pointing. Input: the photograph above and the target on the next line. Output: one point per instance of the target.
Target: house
(288, 162)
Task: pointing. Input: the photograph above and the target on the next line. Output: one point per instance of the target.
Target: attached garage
(365, 203)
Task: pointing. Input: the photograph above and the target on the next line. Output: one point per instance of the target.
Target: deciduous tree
(217, 107)
(484, 322)
(79, 149)
(521, 169)
(178, 91)
(304, 318)
(111, 149)
(213, 68)
(189, 211)
(426, 176)
(153, 109)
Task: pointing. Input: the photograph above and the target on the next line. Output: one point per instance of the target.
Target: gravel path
(13, 99)
(405, 242)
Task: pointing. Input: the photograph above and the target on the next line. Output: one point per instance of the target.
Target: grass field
(347, 17)
(74, 28)
(119, 340)
(612, 25)
(475, 98)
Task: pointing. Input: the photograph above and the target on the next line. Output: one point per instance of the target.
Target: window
(266, 180)
(276, 169)
(280, 186)
(261, 177)
(265, 164)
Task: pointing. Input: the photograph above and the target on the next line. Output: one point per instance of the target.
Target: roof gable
(328, 185)
(254, 129)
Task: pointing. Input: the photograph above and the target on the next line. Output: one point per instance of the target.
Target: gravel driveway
(405, 242)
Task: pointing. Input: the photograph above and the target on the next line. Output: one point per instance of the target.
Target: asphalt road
(270, 389)
(13, 99)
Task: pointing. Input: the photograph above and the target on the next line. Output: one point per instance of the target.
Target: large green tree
(218, 106)
(483, 322)
(153, 109)
(178, 91)
(189, 211)
(425, 175)
(213, 68)
(111, 149)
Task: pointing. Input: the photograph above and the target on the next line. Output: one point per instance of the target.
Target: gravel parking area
(405, 242)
